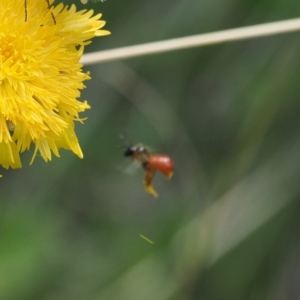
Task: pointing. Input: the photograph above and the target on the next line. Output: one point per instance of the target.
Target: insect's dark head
(130, 151)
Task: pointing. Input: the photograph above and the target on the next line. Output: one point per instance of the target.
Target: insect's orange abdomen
(163, 163)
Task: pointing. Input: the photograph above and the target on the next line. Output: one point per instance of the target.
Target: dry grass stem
(193, 41)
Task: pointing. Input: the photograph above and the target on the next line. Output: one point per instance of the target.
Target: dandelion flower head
(41, 77)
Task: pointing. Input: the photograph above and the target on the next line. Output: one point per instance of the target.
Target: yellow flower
(41, 77)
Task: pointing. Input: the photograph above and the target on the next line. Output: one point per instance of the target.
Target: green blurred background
(226, 226)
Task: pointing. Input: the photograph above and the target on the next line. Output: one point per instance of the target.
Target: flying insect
(150, 163)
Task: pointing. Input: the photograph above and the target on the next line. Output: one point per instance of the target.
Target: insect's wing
(132, 167)
(128, 167)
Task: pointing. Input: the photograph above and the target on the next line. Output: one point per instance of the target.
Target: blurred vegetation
(226, 226)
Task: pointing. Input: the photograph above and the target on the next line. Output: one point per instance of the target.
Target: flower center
(13, 57)
(8, 51)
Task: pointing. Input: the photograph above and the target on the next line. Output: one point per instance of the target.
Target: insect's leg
(49, 7)
(25, 9)
(148, 182)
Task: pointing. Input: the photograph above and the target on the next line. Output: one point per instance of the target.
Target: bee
(150, 163)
